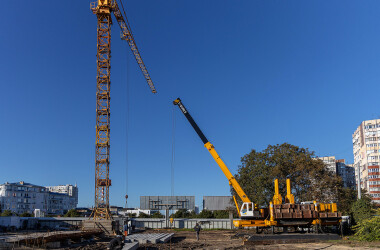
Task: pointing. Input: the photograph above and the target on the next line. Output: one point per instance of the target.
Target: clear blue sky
(252, 73)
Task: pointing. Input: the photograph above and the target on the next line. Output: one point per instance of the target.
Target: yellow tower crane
(103, 10)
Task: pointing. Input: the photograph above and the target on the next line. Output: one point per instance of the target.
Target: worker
(126, 228)
(197, 229)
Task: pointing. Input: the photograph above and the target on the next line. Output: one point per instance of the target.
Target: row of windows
(372, 170)
(374, 163)
(14, 188)
(22, 195)
(371, 134)
(373, 157)
(374, 189)
(373, 176)
(372, 139)
(375, 195)
(374, 183)
(371, 151)
(371, 145)
(372, 126)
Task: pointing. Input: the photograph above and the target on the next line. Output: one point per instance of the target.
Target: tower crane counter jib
(248, 208)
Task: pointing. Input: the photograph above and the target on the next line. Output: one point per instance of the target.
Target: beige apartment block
(366, 146)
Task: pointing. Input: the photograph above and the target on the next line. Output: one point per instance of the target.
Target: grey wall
(217, 202)
(182, 223)
(156, 202)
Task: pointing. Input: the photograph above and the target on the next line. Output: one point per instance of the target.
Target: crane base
(107, 226)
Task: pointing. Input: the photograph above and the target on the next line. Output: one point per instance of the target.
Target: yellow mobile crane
(278, 214)
(249, 213)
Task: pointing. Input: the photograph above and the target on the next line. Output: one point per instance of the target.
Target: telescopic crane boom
(248, 209)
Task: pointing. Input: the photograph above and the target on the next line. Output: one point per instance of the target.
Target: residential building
(330, 162)
(68, 190)
(23, 197)
(366, 146)
(340, 168)
(136, 211)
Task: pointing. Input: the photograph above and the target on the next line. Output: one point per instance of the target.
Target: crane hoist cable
(173, 152)
(126, 134)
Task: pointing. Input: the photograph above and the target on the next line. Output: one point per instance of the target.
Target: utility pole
(359, 183)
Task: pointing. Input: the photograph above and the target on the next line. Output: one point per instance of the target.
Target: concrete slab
(150, 238)
(130, 246)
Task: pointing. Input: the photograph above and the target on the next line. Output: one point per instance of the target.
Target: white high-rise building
(366, 146)
(23, 197)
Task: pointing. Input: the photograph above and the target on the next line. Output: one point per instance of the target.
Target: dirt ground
(221, 239)
(226, 239)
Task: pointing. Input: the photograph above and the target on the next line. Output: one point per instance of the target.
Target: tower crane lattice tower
(103, 10)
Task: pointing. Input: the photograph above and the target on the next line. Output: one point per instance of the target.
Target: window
(250, 207)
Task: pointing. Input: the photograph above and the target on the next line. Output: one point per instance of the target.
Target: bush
(206, 214)
(157, 215)
(221, 214)
(71, 213)
(368, 229)
(182, 213)
(362, 209)
(26, 214)
(7, 213)
(144, 215)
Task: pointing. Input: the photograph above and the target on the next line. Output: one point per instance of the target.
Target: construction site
(301, 208)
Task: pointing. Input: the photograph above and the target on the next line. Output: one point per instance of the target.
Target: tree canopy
(310, 178)
(71, 213)
(7, 213)
(362, 209)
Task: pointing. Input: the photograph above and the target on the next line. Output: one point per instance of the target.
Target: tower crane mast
(103, 10)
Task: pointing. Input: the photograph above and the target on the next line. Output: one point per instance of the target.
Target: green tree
(26, 214)
(192, 214)
(71, 213)
(131, 215)
(346, 197)
(206, 214)
(310, 178)
(368, 229)
(181, 213)
(362, 209)
(144, 215)
(157, 215)
(7, 213)
(221, 214)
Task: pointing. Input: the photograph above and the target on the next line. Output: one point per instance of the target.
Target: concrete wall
(10, 221)
(53, 223)
(182, 223)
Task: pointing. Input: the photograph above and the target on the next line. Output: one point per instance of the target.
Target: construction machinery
(103, 10)
(277, 214)
(248, 209)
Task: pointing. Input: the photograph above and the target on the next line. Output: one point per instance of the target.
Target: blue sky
(251, 73)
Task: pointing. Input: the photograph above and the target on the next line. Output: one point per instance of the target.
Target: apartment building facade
(23, 197)
(340, 168)
(366, 146)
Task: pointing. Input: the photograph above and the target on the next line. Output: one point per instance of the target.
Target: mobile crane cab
(249, 211)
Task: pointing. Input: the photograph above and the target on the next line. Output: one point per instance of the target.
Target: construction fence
(75, 223)
(182, 223)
